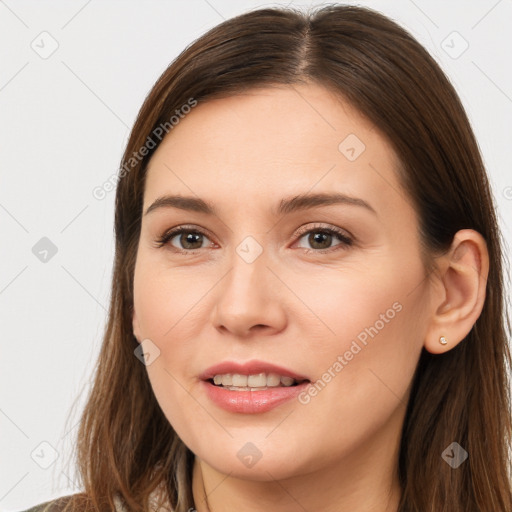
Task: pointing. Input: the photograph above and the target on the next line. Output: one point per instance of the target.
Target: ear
(135, 326)
(459, 294)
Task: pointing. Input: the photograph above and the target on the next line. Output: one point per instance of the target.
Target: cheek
(163, 297)
(185, 414)
(373, 324)
(350, 306)
(371, 316)
(164, 302)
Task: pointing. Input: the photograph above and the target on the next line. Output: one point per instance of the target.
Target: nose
(250, 300)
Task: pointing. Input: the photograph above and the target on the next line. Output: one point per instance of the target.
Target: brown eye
(320, 239)
(187, 239)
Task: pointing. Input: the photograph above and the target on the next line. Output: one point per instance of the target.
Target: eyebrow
(286, 205)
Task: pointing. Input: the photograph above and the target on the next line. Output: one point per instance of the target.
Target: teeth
(287, 381)
(237, 382)
(227, 380)
(257, 381)
(273, 379)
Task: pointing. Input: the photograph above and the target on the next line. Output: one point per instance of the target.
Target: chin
(259, 461)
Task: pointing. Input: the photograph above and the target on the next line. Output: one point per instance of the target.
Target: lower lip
(252, 402)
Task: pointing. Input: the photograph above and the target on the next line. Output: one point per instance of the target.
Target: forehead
(272, 141)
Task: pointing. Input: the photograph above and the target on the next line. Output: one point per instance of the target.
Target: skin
(296, 309)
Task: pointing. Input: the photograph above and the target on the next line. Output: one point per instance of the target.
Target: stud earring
(442, 340)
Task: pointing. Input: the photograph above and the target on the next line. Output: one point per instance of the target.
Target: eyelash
(345, 240)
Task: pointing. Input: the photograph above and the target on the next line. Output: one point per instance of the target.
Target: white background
(64, 122)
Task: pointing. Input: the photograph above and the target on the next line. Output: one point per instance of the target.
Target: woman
(307, 299)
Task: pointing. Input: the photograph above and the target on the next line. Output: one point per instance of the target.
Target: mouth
(254, 382)
(251, 376)
(253, 387)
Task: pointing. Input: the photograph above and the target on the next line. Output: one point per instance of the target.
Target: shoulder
(55, 505)
(79, 502)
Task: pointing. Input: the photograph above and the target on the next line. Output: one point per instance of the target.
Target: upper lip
(249, 368)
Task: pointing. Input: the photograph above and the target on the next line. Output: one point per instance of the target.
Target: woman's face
(261, 280)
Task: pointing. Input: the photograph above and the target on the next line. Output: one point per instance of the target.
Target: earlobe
(459, 294)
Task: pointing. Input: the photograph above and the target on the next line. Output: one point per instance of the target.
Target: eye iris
(193, 239)
(187, 238)
(318, 237)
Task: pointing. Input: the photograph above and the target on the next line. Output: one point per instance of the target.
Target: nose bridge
(248, 269)
(247, 298)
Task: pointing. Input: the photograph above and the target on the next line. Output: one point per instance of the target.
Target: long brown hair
(126, 445)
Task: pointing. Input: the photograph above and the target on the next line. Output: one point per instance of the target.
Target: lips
(256, 400)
